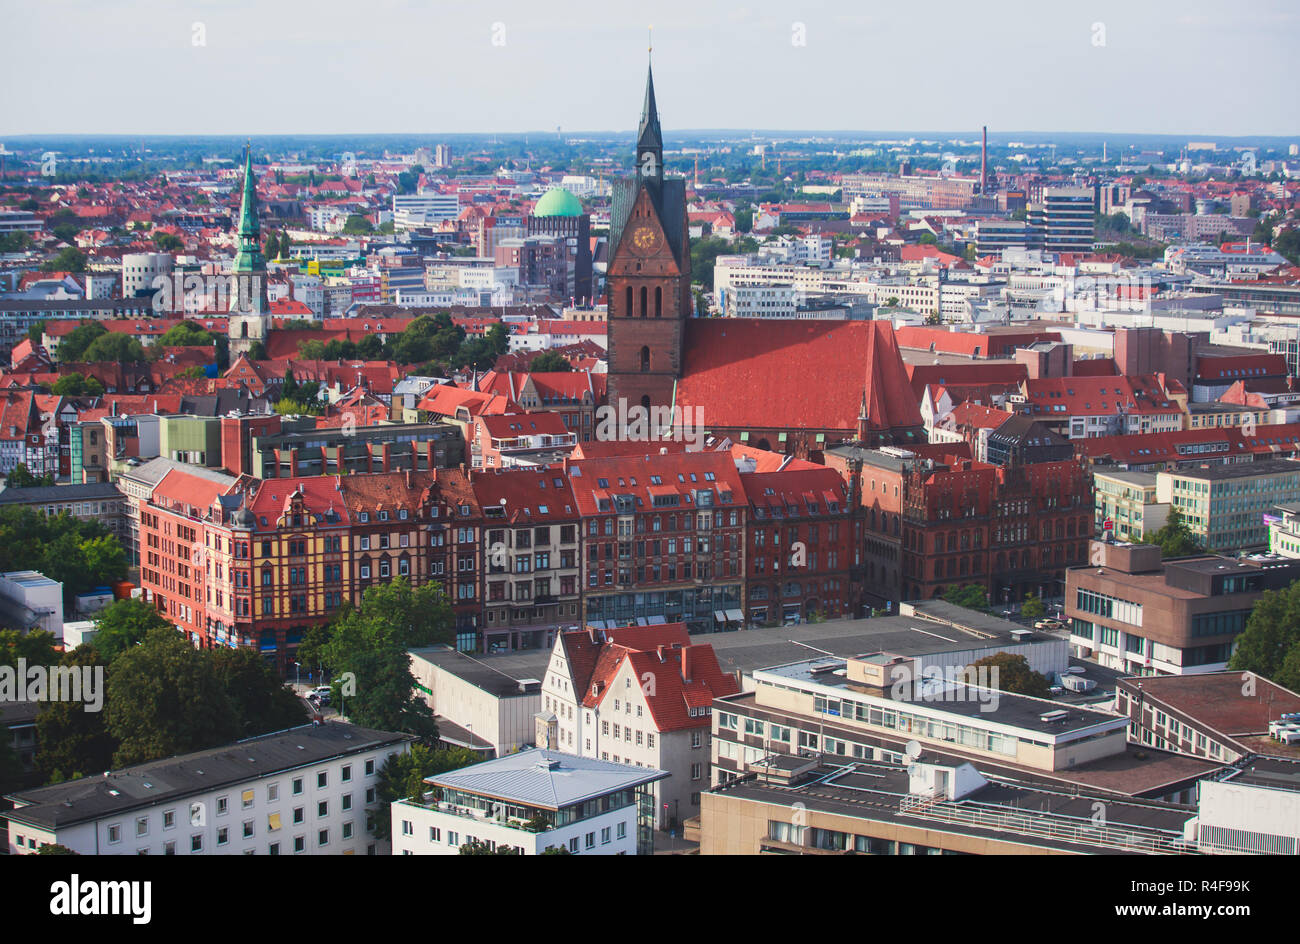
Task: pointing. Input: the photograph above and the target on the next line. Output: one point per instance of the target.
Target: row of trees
(162, 696)
(80, 554)
(433, 340)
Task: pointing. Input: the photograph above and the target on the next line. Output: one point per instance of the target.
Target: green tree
(1011, 673)
(186, 334)
(548, 361)
(68, 260)
(12, 775)
(36, 330)
(73, 347)
(36, 647)
(257, 351)
(116, 348)
(165, 698)
(124, 624)
(313, 350)
(971, 596)
(1175, 538)
(1270, 644)
(372, 643)
(76, 385)
(261, 702)
(1032, 609)
(54, 848)
(478, 847)
(168, 242)
(73, 742)
(21, 477)
(357, 225)
(402, 777)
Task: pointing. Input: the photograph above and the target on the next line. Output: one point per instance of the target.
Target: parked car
(1049, 624)
(320, 695)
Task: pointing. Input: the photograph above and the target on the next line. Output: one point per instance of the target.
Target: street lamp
(298, 670)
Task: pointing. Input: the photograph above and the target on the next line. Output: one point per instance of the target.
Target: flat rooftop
(175, 778)
(1275, 773)
(1043, 816)
(1136, 771)
(1217, 699)
(1004, 708)
(549, 780)
(1237, 470)
(493, 675)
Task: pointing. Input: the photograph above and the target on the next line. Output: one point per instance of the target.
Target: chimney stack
(984, 161)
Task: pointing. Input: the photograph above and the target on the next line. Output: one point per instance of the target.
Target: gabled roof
(792, 374)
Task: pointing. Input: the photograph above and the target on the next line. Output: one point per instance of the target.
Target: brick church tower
(649, 274)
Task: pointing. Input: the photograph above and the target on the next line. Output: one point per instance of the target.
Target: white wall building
(529, 802)
(305, 790)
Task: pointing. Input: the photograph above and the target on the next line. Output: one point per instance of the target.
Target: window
(299, 815)
(142, 826)
(272, 792)
(297, 786)
(246, 799)
(223, 835)
(248, 829)
(169, 819)
(323, 808)
(299, 843)
(347, 802)
(196, 843)
(115, 833)
(321, 778)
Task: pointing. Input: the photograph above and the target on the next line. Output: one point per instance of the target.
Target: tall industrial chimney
(984, 161)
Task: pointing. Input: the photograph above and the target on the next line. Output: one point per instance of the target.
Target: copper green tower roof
(249, 258)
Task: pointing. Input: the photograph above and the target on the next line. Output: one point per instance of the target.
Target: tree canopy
(1175, 538)
(1012, 674)
(1270, 644)
(371, 643)
(970, 595)
(80, 554)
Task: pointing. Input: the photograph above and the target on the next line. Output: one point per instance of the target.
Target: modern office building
(1063, 220)
(1125, 504)
(1224, 505)
(1223, 716)
(819, 805)
(309, 789)
(530, 802)
(1133, 612)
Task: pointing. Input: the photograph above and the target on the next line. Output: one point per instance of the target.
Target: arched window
(644, 306)
(645, 359)
(628, 313)
(659, 301)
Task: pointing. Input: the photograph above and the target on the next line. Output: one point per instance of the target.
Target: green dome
(558, 202)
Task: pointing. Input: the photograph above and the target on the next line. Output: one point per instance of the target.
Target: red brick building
(799, 546)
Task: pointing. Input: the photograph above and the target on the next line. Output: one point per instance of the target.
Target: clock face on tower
(644, 239)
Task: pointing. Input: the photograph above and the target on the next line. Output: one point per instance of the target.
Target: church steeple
(249, 258)
(649, 138)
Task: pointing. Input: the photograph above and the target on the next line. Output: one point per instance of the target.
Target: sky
(478, 66)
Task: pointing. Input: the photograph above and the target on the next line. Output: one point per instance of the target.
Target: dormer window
(363, 517)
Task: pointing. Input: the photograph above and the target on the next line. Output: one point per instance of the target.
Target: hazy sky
(425, 66)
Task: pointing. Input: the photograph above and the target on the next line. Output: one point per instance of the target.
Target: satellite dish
(913, 750)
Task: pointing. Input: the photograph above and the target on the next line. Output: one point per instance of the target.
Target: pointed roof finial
(650, 31)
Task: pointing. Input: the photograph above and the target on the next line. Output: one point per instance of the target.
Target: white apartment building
(307, 790)
(529, 802)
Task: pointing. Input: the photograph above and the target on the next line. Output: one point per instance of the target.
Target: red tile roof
(760, 373)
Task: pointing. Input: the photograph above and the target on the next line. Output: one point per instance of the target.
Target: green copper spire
(249, 259)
